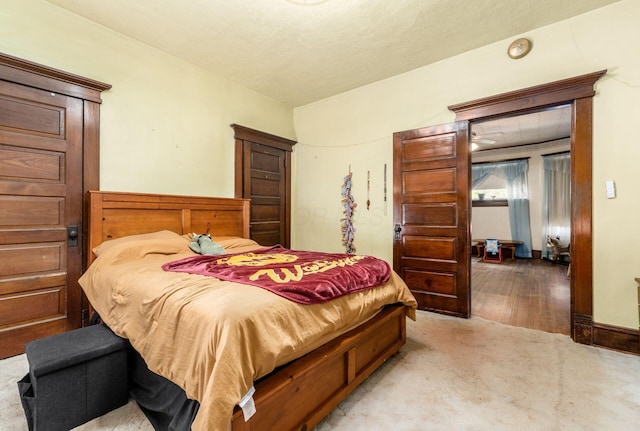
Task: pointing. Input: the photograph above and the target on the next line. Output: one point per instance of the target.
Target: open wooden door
(431, 216)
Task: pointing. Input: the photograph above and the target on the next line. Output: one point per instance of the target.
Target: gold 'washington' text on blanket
(301, 276)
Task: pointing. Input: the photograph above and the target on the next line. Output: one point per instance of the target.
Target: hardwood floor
(530, 293)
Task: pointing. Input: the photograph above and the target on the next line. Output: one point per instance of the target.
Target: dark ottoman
(74, 377)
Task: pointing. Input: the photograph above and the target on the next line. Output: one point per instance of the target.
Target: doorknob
(72, 236)
(397, 229)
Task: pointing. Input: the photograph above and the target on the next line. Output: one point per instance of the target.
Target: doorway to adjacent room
(432, 202)
(532, 290)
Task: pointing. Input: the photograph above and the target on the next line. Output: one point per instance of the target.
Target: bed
(296, 382)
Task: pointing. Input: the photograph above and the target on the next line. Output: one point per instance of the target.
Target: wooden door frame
(244, 134)
(24, 72)
(577, 92)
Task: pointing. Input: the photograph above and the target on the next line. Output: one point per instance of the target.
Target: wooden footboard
(300, 394)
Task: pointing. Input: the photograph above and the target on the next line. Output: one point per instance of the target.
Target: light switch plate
(611, 189)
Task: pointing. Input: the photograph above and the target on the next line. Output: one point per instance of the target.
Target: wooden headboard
(116, 214)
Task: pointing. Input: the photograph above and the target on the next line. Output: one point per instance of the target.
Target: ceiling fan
(483, 139)
(477, 141)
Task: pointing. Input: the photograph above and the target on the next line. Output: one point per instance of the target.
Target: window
(492, 192)
(514, 175)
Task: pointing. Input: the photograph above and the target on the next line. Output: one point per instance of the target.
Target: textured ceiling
(543, 127)
(299, 52)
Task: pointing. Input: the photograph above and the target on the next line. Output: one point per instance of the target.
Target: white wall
(165, 123)
(490, 222)
(356, 128)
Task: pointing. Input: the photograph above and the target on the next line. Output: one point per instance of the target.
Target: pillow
(163, 234)
(231, 242)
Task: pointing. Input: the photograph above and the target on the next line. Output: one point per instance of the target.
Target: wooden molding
(551, 94)
(246, 134)
(35, 75)
(616, 338)
(582, 329)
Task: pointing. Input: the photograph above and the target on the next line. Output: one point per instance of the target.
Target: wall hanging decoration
(385, 189)
(368, 189)
(349, 204)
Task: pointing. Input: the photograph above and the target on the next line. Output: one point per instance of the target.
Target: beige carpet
(453, 374)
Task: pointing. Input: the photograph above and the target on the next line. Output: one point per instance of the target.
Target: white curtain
(515, 173)
(556, 222)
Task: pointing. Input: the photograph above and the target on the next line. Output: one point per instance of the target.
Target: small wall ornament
(348, 231)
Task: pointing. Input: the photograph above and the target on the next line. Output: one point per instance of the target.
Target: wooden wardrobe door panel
(41, 171)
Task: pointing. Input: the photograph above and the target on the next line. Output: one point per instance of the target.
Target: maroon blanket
(301, 276)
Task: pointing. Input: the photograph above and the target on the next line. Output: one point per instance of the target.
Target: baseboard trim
(616, 338)
(582, 329)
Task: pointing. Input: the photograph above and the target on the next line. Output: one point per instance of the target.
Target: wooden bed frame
(299, 394)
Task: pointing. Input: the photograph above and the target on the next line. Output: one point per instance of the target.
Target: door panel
(428, 147)
(41, 175)
(430, 248)
(266, 187)
(431, 216)
(437, 181)
(441, 283)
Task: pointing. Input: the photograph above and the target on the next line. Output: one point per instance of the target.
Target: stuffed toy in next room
(558, 250)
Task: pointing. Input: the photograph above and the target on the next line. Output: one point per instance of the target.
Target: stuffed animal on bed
(558, 249)
(203, 244)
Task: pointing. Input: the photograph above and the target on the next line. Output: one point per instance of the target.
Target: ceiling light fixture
(519, 48)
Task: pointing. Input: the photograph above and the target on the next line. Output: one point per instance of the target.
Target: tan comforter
(211, 337)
